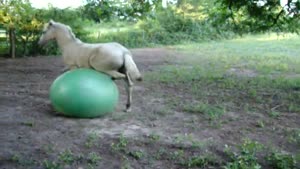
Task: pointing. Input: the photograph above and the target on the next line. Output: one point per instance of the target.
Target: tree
(99, 10)
(259, 15)
(18, 17)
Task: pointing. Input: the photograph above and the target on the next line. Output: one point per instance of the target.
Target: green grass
(263, 53)
(254, 73)
(212, 112)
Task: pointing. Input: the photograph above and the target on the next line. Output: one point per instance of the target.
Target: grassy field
(253, 69)
(231, 104)
(253, 75)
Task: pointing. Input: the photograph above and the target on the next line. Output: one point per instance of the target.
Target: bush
(170, 27)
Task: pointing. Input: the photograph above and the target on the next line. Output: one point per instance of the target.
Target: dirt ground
(32, 135)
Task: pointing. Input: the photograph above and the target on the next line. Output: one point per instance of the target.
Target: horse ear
(51, 22)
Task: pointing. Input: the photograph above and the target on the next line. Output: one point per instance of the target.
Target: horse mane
(68, 28)
(71, 33)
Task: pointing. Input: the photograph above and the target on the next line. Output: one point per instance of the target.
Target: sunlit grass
(239, 75)
(100, 29)
(250, 52)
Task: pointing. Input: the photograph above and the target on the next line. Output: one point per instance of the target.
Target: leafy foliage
(20, 17)
(106, 10)
(256, 16)
(186, 21)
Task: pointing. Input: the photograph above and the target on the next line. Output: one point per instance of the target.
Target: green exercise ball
(84, 93)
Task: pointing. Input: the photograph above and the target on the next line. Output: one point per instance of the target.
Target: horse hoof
(128, 110)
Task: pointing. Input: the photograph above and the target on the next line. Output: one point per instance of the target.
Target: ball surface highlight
(84, 93)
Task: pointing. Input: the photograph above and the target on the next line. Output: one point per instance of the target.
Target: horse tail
(131, 68)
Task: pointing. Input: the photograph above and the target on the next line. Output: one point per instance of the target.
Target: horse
(111, 58)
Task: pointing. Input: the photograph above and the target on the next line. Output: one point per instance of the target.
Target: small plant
(281, 161)
(201, 161)
(67, 156)
(49, 148)
(253, 93)
(274, 114)
(246, 159)
(28, 123)
(177, 155)
(260, 124)
(51, 165)
(91, 140)
(120, 145)
(160, 153)
(294, 136)
(136, 154)
(154, 137)
(16, 158)
(93, 158)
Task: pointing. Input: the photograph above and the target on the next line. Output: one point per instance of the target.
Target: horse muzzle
(42, 42)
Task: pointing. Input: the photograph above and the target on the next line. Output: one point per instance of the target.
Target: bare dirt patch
(153, 135)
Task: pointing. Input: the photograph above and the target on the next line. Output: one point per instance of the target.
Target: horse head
(49, 33)
(53, 30)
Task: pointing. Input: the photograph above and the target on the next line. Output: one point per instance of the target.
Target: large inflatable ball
(84, 93)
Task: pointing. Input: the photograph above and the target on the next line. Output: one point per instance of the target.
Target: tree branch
(231, 14)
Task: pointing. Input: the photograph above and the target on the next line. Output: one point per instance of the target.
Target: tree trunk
(12, 42)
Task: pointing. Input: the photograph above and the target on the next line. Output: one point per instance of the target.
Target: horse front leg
(115, 74)
(69, 67)
(66, 68)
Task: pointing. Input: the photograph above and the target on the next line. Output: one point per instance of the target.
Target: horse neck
(63, 39)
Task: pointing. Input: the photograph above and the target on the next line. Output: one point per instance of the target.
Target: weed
(126, 163)
(293, 136)
(137, 154)
(91, 140)
(28, 123)
(279, 160)
(260, 123)
(160, 153)
(274, 114)
(177, 155)
(154, 137)
(93, 158)
(67, 156)
(201, 161)
(51, 165)
(247, 158)
(18, 159)
(120, 145)
(49, 148)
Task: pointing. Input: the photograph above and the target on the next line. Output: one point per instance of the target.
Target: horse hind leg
(129, 85)
(115, 74)
(99, 66)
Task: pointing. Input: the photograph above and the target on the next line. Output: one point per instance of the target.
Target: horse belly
(106, 62)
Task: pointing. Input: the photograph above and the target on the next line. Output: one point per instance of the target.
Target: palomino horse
(110, 58)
